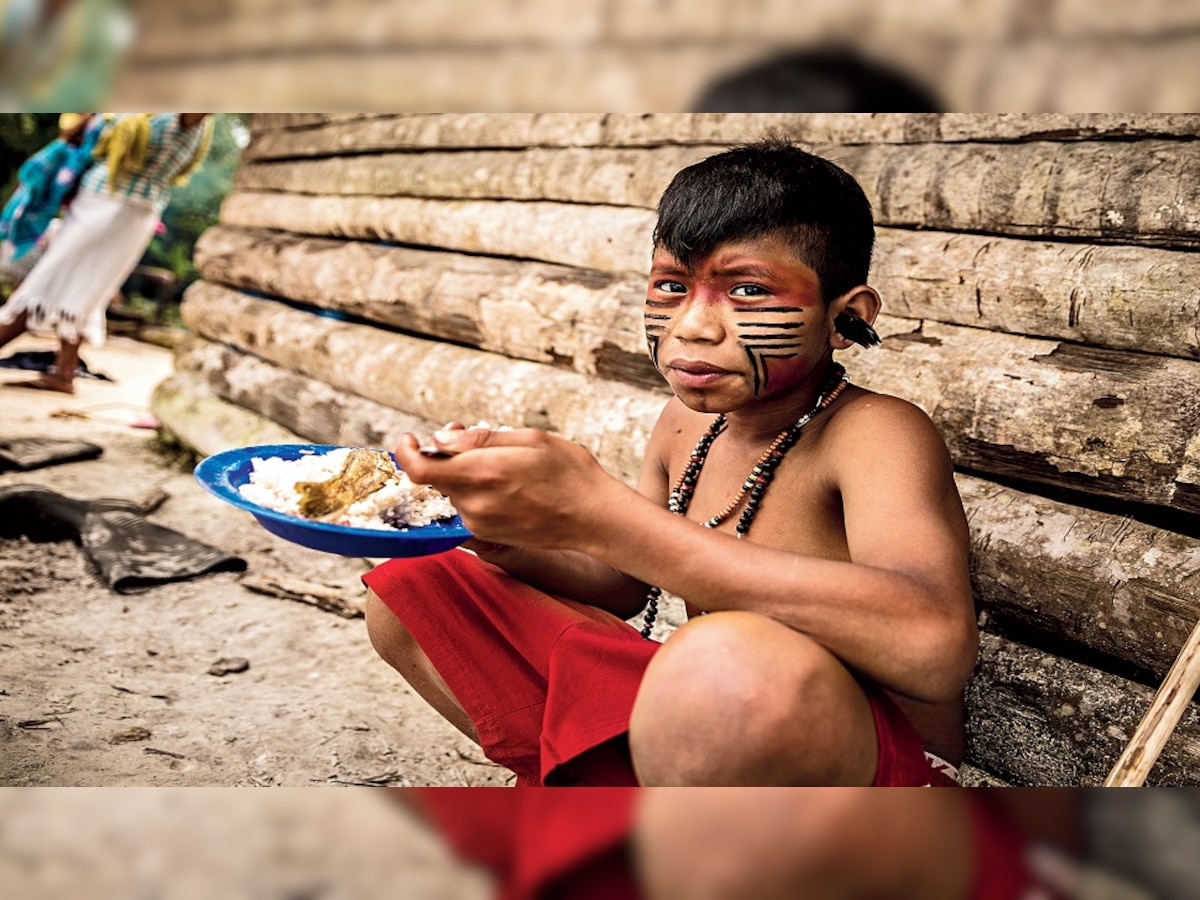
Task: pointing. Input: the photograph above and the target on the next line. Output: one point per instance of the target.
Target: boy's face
(745, 325)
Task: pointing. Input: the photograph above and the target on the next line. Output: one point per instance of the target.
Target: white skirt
(101, 241)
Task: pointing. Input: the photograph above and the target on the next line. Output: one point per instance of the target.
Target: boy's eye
(749, 290)
(670, 287)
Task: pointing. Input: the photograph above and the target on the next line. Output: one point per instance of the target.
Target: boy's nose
(701, 320)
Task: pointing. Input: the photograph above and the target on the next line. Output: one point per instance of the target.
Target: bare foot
(46, 383)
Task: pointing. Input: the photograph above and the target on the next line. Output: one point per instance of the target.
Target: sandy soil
(100, 689)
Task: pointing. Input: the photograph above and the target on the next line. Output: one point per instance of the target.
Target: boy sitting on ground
(812, 527)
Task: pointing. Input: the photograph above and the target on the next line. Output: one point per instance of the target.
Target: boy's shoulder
(861, 418)
(864, 411)
(864, 408)
(869, 426)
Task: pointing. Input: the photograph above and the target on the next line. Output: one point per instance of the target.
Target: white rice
(273, 484)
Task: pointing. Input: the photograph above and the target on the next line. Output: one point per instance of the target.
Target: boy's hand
(524, 488)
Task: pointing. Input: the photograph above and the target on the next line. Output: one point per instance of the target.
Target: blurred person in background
(821, 79)
(46, 183)
(57, 54)
(104, 234)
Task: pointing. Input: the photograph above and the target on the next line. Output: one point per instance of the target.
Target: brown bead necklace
(755, 485)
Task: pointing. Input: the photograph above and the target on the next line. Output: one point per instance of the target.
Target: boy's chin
(707, 402)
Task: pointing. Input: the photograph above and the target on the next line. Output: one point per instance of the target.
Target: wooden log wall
(646, 54)
(1041, 300)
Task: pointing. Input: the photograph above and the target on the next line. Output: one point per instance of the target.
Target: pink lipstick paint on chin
(696, 374)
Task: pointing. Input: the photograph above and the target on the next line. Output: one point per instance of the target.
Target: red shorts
(545, 845)
(550, 683)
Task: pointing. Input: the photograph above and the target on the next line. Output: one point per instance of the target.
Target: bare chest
(799, 510)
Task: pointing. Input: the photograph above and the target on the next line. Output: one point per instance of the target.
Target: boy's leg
(816, 843)
(519, 665)
(738, 699)
(393, 642)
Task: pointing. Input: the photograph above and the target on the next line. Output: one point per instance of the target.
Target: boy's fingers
(459, 440)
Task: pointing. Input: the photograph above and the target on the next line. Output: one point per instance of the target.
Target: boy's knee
(772, 843)
(735, 698)
(389, 637)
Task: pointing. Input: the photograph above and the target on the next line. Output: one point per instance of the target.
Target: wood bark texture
(1120, 588)
(1106, 296)
(293, 135)
(1122, 425)
(1119, 297)
(1140, 192)
(311, 409)
(587, 321)
(610, 176)
(434, 381)
(208, 424)
(1037, 720)
(606, 238)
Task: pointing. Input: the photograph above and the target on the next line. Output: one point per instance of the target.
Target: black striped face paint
(656, 316)
(768, 332)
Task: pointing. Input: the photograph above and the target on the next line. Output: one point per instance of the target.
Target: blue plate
(224, 473)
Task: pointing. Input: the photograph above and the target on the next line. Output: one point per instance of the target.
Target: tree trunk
(309, 408)
(1118, 587)
(1115, 424)
(1118, 297)
(1098, 190)
(1141, 192)
(208, 424)
(613, 177)
(552, 232)
(1035, 719)
(279, 135)
(434, 381)
(1127, 298)
(577, 319)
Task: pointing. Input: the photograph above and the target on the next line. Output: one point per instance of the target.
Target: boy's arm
(567, 573)
(900, 611)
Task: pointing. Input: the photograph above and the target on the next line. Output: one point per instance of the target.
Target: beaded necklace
(755, 485)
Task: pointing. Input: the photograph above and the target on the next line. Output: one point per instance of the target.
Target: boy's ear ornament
(852, 328)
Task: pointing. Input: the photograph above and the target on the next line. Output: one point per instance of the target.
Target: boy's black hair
(771, 186)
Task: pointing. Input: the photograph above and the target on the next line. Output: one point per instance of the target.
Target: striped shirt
(171, 149)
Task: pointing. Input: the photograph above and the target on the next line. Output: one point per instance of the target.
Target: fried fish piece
(363, 473)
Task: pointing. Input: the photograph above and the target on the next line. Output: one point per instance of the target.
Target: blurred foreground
(178, 844)
(619, 55)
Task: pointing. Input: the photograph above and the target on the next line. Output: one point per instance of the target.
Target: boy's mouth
(695, 373)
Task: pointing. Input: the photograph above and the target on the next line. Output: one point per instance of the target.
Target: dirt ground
(104, 689)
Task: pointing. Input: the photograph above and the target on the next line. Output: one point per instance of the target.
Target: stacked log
(647, 54)
(1038, 278)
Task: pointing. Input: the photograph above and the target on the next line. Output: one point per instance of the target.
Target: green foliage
(21, 136)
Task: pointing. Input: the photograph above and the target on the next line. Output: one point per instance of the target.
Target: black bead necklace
(755, 485)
